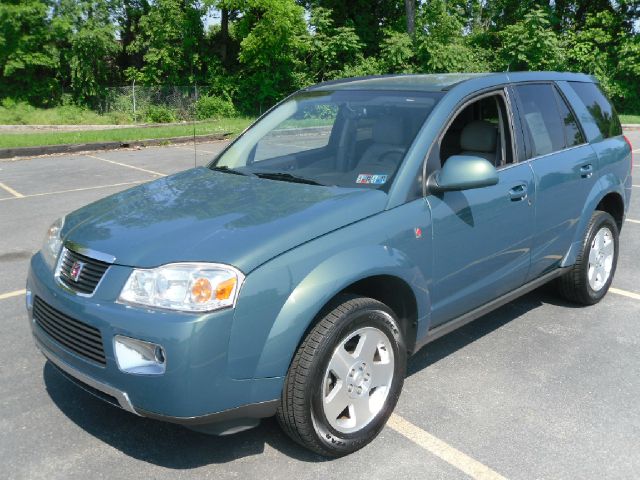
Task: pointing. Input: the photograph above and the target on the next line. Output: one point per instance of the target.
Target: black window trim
(575, 117)
(527, 135)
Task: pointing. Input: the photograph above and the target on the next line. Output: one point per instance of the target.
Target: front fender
(320, 286)
(605, 185)
(280, 299)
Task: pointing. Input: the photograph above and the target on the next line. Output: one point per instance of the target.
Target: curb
(88, 147)
(631, 126)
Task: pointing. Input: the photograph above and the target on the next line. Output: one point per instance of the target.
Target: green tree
(441, 45)
(85, 35)
(128, 14)
(330, 48)
(170, 39)
(273, 44)
(398, 54)
(603, 48)
(530, 44)
(369, 18)
(28, 55)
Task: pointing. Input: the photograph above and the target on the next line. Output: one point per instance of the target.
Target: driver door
(482, 237)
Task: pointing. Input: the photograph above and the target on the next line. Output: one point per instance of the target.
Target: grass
(223, 125)
(21, 113)
(629, 118)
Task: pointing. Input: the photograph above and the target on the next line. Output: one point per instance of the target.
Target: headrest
(478, 136)
(388, 130)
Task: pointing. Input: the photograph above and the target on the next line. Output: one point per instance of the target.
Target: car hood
(208, 216)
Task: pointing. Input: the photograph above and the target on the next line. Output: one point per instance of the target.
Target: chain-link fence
(163, 104)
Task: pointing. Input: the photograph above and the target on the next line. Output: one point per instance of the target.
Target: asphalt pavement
(539, 389)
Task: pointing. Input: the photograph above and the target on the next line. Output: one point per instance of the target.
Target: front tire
(345, 378)
(589, 279)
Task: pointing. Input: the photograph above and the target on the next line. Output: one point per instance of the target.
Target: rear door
(564, 167)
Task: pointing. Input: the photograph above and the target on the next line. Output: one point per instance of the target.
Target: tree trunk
(224, 31)
(410, 9)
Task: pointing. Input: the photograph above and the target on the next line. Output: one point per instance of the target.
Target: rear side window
(541, 118)
(572, 131)
(600, 108)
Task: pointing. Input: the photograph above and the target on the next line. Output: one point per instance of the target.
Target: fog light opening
(139, 357)
(28, 298)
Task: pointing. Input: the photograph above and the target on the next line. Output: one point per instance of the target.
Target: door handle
(519, 192)
(586, 171)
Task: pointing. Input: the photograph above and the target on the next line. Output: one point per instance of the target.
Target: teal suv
(351, 225)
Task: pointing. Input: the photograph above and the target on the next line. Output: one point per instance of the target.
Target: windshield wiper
(287, 177)
(225, 169)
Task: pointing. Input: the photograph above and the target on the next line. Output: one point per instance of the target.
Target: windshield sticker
(367, 178)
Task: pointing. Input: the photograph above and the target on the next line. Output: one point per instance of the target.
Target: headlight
(190, 287)
(53, 243)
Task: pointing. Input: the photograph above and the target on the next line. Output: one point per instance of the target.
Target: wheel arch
(607, 195)
(384, 274)
(613, 204)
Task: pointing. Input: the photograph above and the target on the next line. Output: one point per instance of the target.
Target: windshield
(343, 138)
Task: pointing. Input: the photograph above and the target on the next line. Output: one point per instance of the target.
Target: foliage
(442, 47)
(531, 44)
(169, 40)
(160, 114)
(21, 113)
(398, 54)
(69, 52)
(28, 58)
(330, 48)
(272, 47)
(213, 107)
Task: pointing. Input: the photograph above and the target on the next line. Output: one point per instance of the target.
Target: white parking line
(125, 165)
(11, 190)
(443, 450)
(625, 293)
(12, 294)
(632, 221)
(198, 150)
(74, 190)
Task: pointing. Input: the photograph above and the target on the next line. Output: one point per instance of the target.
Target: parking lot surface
(537, 389)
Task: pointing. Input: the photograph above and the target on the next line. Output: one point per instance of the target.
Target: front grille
(80, 273)
(72, 334)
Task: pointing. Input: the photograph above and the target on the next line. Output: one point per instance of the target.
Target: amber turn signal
(225, 289)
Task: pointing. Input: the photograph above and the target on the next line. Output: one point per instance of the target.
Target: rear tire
(589, 279)
(354, 357)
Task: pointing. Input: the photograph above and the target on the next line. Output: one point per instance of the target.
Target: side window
(481, 129)
(541, 118)
(599, 107)
(572, 131)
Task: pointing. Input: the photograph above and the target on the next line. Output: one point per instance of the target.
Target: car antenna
(193, 121)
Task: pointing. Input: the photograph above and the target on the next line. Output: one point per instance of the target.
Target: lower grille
(72, 334)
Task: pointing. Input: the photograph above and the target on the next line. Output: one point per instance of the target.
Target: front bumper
(195, 389)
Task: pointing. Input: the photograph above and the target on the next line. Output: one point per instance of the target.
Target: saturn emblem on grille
(76, 270)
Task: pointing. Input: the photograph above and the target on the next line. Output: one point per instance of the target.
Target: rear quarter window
(599, 107)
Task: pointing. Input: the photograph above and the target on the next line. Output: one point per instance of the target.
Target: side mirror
(463, 172)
